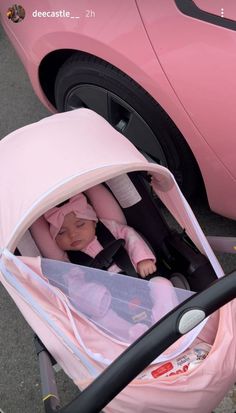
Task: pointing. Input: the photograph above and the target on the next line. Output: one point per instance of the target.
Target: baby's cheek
(61, 242)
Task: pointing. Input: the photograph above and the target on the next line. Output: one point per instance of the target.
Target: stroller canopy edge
(30, 206)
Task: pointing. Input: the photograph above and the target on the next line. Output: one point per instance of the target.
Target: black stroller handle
(151, 344)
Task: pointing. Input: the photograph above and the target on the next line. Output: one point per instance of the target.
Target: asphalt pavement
(19, 373)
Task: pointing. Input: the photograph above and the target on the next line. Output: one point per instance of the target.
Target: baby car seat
(128, 199)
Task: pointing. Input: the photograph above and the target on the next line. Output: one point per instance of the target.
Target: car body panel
(208, 59)
(138, 39)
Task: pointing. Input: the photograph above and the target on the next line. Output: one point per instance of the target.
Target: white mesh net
(124, 307)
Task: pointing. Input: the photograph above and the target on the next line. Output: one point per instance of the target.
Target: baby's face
(75, 233)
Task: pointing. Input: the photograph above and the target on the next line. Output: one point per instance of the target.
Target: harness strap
(80, 258)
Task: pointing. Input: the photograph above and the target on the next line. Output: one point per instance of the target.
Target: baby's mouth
(76, 243)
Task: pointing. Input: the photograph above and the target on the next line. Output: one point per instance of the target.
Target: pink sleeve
(136, 247)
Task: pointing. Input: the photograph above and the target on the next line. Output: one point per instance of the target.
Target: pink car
(161, 72)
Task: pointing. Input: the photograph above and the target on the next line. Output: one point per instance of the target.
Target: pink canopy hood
(49, 161)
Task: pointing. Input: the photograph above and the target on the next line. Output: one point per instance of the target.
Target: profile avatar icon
(16, 13)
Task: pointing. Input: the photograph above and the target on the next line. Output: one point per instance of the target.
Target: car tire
(87, 81)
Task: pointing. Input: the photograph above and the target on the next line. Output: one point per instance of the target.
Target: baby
(73, 227)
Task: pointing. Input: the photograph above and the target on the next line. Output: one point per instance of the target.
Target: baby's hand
(146, 267)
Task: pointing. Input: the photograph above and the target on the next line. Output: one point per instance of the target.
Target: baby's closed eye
(61, 232)
(79, 224)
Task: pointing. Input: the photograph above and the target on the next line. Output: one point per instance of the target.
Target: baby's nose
(73, 233)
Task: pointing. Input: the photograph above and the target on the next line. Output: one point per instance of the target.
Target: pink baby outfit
(94, 300)
(135, 246)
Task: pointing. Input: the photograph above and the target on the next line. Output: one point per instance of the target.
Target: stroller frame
(141, 353)
(122, 158)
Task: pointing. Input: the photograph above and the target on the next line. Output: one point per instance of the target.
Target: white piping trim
(27, 298)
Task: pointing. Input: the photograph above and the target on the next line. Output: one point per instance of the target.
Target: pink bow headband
(77, 204)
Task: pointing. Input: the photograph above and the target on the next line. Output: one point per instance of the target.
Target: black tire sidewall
(78, 70)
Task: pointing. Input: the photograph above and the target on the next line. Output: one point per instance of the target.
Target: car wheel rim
(120, 115)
